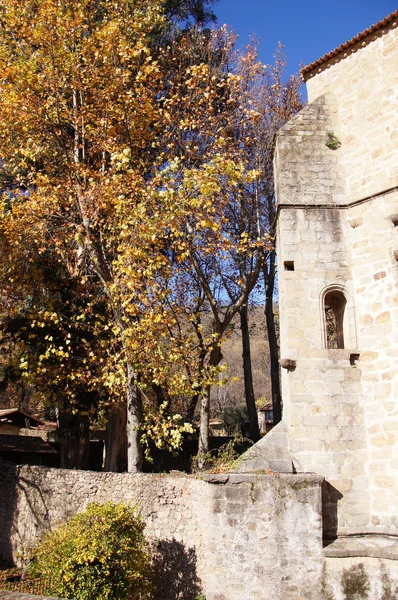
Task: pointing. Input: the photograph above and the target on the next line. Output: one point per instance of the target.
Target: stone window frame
(349, 321)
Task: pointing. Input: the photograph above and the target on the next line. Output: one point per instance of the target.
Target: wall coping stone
(372, 546)
(234, 477)
(12, 595)
(237, 478)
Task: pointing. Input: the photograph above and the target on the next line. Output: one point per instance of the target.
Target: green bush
(100, 554)
(223, 459)
(234, 418)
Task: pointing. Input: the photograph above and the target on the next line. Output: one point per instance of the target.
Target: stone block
(271, 452)
(384, 439)
(383, 481)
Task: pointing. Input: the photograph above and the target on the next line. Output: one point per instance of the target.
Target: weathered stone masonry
(337, 223)
(336, 175)
(245, 536)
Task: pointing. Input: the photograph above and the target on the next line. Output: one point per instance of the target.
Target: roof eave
(321, 63)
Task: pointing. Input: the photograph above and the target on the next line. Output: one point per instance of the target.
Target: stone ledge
(372, 546)
(237, 478)
(12, 595)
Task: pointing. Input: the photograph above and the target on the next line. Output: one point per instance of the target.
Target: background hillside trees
(275, 98)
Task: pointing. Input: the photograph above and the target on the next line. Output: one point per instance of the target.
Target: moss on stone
(332, 141)
(355, 583)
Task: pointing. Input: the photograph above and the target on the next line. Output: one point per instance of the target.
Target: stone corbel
(288, 363)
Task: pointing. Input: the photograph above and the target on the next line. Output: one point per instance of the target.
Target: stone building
(14, 421)
(336, 169)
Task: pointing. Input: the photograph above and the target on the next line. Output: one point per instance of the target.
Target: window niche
(289, 265)
(334, 306)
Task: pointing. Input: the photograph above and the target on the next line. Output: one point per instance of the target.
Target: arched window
(334, 305)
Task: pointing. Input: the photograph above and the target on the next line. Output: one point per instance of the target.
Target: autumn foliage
(100, 553)
(125, 214)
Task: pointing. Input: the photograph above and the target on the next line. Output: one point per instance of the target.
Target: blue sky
(308, 29)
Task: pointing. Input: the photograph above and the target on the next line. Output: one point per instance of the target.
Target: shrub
(234, 418)
(223, 459)
(332, 141)
(100, 554)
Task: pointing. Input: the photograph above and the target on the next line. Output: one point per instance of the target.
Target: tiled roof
(265, 407)
(6, 412)
(47, 426)
(25, 443)
(359, 37)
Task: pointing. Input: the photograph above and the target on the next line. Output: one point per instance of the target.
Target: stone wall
(306, 171)
(374, 240)
(359, 568)
(17, 596)
(364, 80)
(323, 400)
(230, 536)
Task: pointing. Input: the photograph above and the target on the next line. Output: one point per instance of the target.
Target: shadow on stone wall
(175, 569)
(12, 486)
(37, 512)
(8, 504)
(330, 499)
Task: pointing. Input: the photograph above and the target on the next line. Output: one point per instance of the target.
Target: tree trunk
(214, 360)
(269, 281)
(192, 404)
(193, 401)
(204, 422)
(74, 440)
(116, 441)
(134, 421)
(248, 375)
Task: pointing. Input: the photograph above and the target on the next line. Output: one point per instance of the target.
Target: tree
(258, 100)
(224, 258)
(196, 11)
(93, 127)
(79, 93)
(53, 352)
(126, 175)
(270, 100)
(276, 100)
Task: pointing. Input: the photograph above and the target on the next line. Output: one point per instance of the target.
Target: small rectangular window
(354, 357)
(289, 265)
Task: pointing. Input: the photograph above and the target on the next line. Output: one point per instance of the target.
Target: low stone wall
(230, 537)
(15, 596)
